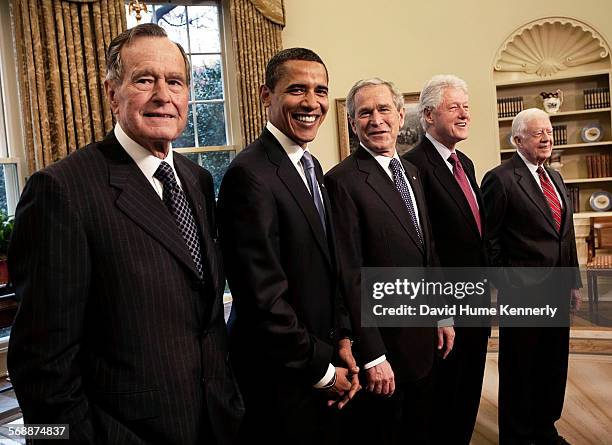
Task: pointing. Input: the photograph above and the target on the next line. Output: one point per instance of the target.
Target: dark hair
(114, 67)
(274, 68)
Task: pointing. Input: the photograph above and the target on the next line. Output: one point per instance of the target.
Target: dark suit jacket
(282, 272)
(458, 242)
(375, 230)
(521, 231)
(116, 335)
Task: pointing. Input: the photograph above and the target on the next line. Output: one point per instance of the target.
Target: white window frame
(13, 142)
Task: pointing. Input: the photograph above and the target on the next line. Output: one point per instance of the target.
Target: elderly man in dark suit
(529, 217)
(456, 212)
(380, 200)
(120, 332)
(279, 251)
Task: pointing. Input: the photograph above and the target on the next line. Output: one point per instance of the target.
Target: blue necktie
(177, 204)
(402, 187)
(313, 185)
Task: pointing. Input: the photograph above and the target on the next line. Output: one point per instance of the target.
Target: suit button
(204, 333)
(332, 334)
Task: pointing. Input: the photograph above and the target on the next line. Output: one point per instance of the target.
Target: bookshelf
(529, 63)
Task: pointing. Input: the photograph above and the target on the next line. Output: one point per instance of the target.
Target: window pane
(216, 162)
(207, 79)
(9, 188)
(174, 20)
(204, 29)
(187, 139)
(210, 119)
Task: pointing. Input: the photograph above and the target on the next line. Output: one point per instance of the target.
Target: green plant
(6, 230)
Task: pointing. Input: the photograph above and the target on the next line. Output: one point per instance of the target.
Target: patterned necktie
(177, 204)
(463, 182)
(551, 197)
(311, 178)
(402, 187)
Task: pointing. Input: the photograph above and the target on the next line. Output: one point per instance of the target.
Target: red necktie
(463, 182)
(551, 197)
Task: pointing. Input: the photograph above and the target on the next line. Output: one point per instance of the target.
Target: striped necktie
(551, 197)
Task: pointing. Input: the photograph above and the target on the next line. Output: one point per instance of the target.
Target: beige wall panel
(409, 41)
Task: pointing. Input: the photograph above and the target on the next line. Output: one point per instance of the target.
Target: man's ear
(427, 113)
(111, 91)
(265, 95)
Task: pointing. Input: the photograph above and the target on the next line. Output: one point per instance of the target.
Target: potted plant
(6, 230)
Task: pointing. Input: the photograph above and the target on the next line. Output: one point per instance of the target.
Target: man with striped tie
(529, 224)
(379, 199)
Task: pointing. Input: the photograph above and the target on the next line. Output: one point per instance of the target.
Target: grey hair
(519, 123)
(432, 94)
(398, 97)
(114, 65)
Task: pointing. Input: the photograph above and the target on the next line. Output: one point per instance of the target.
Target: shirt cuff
(375, 362)
(446, 322)
(329, 375)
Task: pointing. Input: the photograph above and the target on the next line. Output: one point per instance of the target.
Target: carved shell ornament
(549, 45)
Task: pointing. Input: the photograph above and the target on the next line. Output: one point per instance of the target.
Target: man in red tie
(457, 218)
(530, 225)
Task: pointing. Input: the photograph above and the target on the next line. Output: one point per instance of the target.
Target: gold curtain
(256, 40)
(61, 46)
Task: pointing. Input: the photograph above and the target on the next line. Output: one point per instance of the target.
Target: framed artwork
(409, 135)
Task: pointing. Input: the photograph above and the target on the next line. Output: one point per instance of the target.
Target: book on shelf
(574, 192)
(509, 106)
(560, 134)
(595, 98)
(599, 165)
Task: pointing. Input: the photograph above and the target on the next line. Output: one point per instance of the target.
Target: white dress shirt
(144, 159)
(445, 152)
(532, 168)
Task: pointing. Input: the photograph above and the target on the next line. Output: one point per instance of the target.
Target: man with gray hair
(530, 224)
(120, 331)
(457, 219)
(380, 200)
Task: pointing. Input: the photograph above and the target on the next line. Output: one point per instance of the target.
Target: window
(11, 141)
(207, 139)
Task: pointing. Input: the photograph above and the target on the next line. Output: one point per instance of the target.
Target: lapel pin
(414, 177)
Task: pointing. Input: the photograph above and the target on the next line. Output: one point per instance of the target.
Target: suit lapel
(530, 187)
(295, 185)
(139, 202)
(449, 183)
(384, 187)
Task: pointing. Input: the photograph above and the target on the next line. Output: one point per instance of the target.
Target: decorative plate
(591, 133)
(601, 201)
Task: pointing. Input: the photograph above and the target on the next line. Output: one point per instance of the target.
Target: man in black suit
(456, 212)
(279, 252)
(384, 227)
(120, 331)
(529, 220)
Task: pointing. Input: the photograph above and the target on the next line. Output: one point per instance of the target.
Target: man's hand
(342, 391)
(446, 340)
(575, 300)
(346, 355)
(381, 379)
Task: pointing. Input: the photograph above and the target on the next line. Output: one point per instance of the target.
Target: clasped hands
(347, 380)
